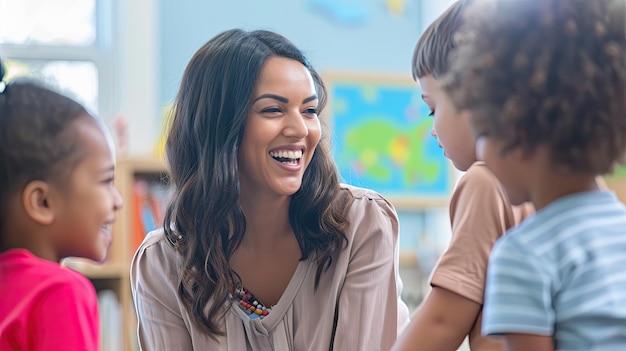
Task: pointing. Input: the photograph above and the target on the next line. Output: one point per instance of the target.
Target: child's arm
(524, 342)
(480, 214)
(441, 323)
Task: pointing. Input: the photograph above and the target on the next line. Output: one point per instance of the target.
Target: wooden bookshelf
(114, 274)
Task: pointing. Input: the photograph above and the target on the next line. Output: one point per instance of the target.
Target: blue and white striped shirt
(562, 272)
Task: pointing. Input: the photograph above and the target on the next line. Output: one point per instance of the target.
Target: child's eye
(109, 180)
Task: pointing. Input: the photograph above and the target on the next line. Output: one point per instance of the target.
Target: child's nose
(118, 200)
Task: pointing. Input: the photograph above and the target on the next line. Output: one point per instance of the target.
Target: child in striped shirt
(544, 82)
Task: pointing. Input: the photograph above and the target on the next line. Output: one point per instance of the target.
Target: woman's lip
(289, 167)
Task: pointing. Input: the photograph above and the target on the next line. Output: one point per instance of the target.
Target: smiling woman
(262, 247)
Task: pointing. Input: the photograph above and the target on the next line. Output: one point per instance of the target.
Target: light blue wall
(358, 35)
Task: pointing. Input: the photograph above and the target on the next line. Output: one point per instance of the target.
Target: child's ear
(36, 201)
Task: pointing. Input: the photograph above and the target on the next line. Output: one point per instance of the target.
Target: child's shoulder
(478, 173)
(480, 188)
(35, 274)
(479, 179)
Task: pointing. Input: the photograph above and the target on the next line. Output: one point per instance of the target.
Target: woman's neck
(267, 219)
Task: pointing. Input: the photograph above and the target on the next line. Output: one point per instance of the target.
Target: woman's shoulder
(368, 206)
(364, 199)
(373, 224)
(156, 251)
(154, 238)
(362, 194)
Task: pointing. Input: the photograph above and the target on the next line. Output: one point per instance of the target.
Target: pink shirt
(45, 306)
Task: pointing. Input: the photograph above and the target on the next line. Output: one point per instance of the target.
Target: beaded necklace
(246, 301)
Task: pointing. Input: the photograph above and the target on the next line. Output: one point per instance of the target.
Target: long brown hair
(204, 221)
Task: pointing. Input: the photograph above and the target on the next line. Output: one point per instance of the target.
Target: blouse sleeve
(370, 312)
(154, 287)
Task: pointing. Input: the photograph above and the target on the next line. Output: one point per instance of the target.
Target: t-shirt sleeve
(65, 317)
(518, 296)
(370, 312)
(480, 213)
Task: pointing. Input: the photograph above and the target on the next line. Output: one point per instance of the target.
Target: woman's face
(282, 129)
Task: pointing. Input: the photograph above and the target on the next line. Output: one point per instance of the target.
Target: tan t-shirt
(359, 293)
(480, 213)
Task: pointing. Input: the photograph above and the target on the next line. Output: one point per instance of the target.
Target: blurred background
(124, 60)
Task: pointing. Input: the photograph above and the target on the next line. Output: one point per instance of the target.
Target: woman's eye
(271, 110)
(311, 111)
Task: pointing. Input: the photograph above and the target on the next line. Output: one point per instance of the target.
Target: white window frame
(100, 53)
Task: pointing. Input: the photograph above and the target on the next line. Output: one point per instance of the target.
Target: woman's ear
(37, 203)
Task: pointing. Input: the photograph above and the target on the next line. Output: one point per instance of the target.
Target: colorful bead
(249, 303)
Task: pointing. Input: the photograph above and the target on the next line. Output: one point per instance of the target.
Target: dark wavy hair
(204, 221)
(547, 72)
(36, 140)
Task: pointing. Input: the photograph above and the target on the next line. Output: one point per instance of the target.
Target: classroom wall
(153, 51)
(136, 69)
(359, 35)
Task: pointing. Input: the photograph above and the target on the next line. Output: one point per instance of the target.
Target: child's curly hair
(546, 72)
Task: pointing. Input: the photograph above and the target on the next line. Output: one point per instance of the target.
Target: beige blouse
(362, 286)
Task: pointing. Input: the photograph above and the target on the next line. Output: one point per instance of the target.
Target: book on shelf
(111, 321)
(149, 199)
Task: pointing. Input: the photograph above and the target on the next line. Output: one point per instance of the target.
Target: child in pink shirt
(57, 199)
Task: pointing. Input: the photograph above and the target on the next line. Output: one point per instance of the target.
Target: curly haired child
(544, 82)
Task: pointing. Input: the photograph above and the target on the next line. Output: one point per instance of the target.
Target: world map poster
(381, 140)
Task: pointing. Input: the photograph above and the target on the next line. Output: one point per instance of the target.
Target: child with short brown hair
(480, 211)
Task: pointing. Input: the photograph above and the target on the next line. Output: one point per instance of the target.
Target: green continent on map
(378, 145)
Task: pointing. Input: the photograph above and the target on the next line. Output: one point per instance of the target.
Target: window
(65, 43)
